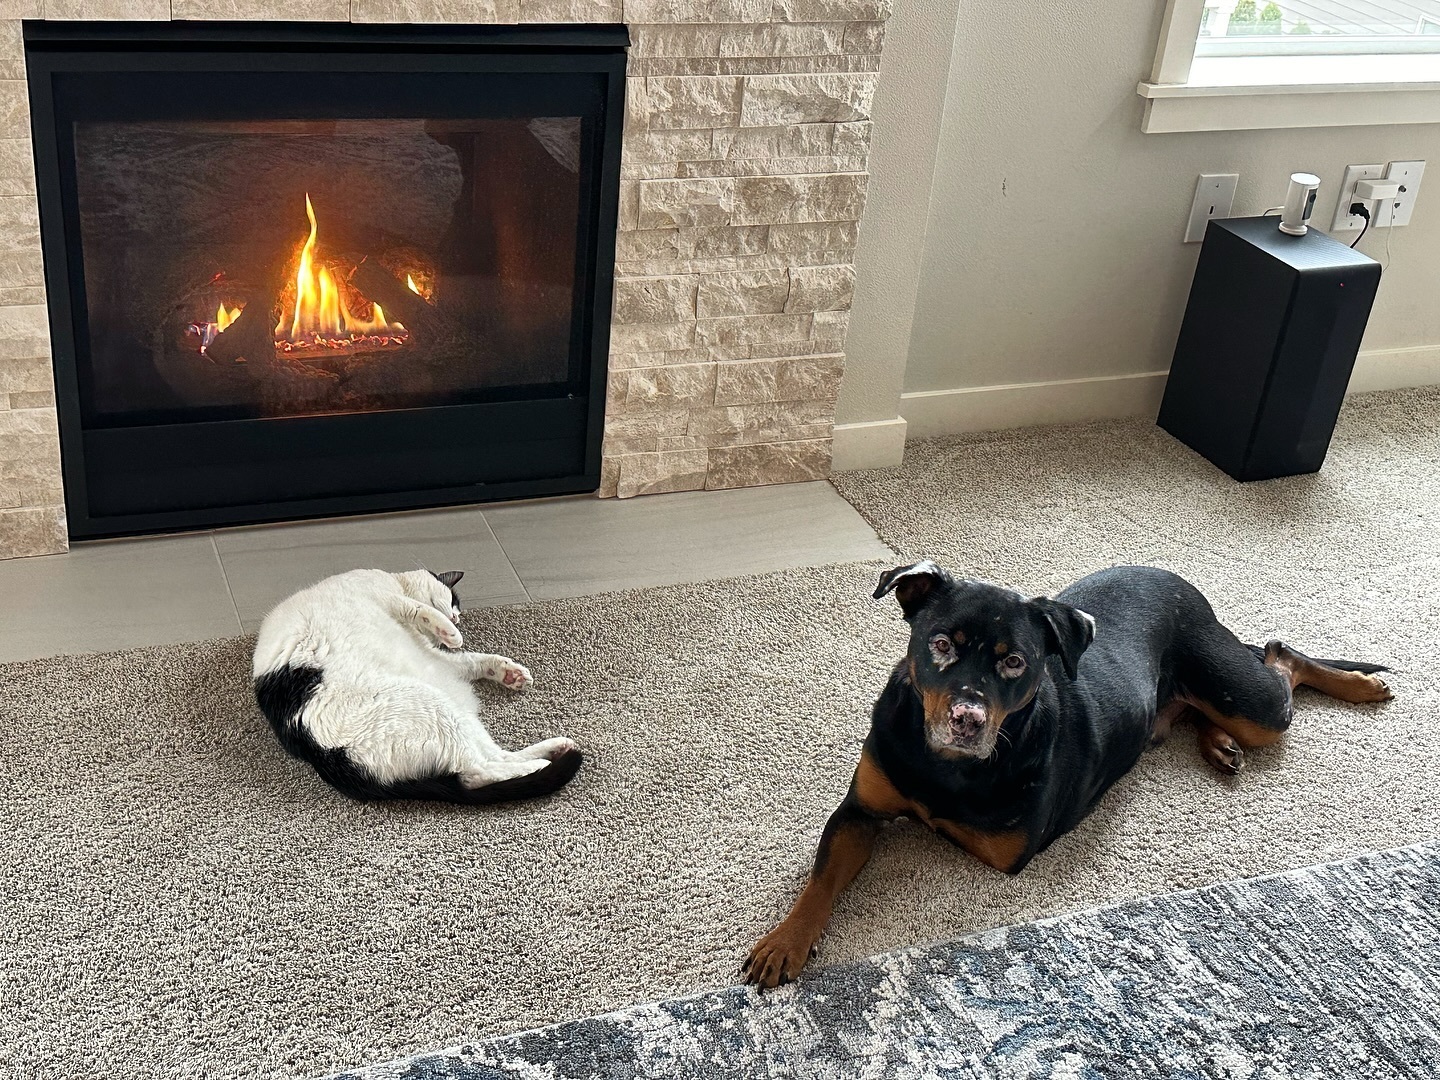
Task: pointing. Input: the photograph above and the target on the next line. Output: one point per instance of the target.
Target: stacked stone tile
(746, 145)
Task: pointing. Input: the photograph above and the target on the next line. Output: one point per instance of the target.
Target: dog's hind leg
(1238, 694)
(1345, 680)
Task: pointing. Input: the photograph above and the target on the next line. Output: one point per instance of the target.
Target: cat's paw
(441, 629)
(551, 749)
(512, 676)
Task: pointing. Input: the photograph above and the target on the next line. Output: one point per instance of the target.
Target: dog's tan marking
(844, 849)
(1001, 648)
(779, 955)
(875, 791)
(1245, 731)
(1220, 748)
(1354, 687)
(1000, 850)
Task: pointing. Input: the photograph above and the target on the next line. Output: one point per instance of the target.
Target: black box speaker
(1267, 346)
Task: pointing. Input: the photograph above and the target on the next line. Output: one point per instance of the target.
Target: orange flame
(320, 313)
(225, 316)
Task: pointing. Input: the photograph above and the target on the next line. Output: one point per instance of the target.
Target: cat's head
(437, 590)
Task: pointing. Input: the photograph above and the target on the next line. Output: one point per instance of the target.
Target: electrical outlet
(1397, 211)
(1214, 196)
(1344, 220)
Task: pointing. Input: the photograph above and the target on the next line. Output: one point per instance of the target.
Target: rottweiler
(1009, 718)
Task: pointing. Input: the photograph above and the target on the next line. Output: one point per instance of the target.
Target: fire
(320, 314)
(317, 317)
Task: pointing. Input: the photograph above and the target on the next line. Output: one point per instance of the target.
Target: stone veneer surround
(743, 168)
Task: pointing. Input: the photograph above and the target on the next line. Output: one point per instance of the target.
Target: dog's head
(978, 652)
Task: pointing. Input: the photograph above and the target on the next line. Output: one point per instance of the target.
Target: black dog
(1009, 718)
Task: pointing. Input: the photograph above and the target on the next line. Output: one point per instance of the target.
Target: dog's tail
(1364, 667)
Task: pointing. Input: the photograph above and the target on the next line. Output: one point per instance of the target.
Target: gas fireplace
(301, 270)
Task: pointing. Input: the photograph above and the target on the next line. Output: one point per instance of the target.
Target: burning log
(400, 303)
(250, 336)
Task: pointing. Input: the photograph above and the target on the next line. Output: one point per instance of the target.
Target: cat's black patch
(282, 695)
(450, 578)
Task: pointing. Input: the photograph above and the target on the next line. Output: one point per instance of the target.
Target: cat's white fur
(402, 707)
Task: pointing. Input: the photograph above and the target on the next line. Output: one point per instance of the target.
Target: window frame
(1286, 91)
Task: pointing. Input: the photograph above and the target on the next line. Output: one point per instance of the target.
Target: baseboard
(872, 444)
(1013, 405)
(1396, 369)
(1073, 401)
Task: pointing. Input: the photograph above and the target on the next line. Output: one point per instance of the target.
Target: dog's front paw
(779, 955)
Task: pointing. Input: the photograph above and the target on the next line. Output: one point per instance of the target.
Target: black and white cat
(358, 676)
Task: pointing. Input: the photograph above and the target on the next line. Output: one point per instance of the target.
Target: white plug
(1370, 190)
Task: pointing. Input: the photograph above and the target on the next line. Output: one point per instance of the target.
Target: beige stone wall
(747, 134)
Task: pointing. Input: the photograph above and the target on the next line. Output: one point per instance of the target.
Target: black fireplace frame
(521, 430)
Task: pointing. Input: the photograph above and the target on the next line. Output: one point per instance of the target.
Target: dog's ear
(449, 578)
(912, 585)
(1068, 631)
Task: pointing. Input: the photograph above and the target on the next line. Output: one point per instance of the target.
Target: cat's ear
(450, 578)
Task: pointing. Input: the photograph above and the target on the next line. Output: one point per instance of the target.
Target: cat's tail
(446, 787)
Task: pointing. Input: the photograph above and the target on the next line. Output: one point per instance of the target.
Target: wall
(1053, 243)
(907, 113)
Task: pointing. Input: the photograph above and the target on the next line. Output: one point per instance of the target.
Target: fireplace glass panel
(285, 268)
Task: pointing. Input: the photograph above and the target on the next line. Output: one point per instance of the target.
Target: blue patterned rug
(1331, 971)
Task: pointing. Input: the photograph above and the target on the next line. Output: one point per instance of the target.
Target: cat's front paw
(513, 676)
(441, 629)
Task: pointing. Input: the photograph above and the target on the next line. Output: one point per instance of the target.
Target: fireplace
(297, 270)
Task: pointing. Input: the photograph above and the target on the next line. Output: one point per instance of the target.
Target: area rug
(179, 899)
(1321, 972)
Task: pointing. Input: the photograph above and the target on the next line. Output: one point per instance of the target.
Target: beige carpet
(177, 899)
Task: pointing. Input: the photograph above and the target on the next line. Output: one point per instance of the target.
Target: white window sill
(1233, 93)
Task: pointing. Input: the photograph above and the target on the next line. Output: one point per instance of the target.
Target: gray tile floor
(123, 593)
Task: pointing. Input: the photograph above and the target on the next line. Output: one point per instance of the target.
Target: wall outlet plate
(1214, 196)
(1397, 211)
(1344, 220)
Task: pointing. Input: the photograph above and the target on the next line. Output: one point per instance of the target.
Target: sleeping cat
(357, 676)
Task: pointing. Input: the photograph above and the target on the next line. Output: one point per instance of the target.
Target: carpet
(1259, 978)
(179, 899)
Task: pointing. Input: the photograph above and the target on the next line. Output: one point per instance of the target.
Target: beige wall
(907, 115)
(1052, 248)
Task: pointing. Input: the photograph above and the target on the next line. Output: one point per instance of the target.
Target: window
(1227, 64)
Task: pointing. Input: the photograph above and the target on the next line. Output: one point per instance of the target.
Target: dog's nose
(967, 713)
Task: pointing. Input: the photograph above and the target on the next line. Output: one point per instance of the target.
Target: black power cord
(1363, 211)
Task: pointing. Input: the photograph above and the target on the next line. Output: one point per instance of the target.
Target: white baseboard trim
(1396, 369)
(1013, 405)
(871, 444)
(1074, 401)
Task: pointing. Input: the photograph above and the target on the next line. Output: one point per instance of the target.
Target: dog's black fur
(1010, 717)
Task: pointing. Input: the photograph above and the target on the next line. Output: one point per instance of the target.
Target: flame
(320, 314)
(225, 316)
(410, 281)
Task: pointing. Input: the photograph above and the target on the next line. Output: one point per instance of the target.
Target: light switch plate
(1214, 196)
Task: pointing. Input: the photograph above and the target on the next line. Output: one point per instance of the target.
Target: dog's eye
(1012, 665)
(942, 651)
